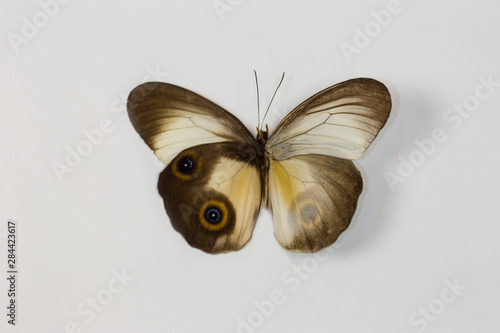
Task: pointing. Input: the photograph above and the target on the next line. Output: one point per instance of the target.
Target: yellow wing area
(313, 199)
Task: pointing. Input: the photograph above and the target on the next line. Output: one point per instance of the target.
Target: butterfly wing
(170, 119)
(211, 186)
(313, 185)
(214, 204)
(313, 198)
(340, 121)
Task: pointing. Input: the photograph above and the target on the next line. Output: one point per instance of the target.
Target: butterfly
(218, 175)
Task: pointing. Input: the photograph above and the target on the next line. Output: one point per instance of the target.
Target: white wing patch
(240, 182)
(180, 133)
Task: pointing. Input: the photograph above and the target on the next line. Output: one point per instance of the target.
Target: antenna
(279, 84)
(258, 101)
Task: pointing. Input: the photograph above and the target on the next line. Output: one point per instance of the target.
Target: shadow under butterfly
(218, 175)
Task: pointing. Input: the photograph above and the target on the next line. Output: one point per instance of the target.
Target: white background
(438, 224)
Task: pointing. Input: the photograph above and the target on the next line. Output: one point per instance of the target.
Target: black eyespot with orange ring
(187, 165)
(214, 215)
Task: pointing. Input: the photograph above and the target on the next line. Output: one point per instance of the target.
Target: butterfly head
(262, 136)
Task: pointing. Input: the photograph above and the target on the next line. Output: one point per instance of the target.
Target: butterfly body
(218, 175)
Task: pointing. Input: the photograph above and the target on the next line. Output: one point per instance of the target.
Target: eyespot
(213, 215)
(187, 165)
(305, 211)
(308, 213)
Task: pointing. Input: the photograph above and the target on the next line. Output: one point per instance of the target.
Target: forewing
(313, 199)
(340, 121)
(171, 119)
